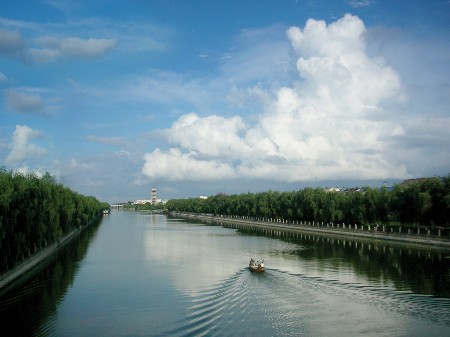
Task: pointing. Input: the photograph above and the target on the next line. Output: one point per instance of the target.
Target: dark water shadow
(34, 298)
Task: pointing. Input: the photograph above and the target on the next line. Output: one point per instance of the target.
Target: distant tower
(154, 195)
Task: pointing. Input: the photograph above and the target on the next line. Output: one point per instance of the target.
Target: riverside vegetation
(36, 212)
(420, 202)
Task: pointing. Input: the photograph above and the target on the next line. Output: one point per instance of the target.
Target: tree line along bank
(420, 202)
(36, 212)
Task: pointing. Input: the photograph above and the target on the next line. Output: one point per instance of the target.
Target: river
(139, 274)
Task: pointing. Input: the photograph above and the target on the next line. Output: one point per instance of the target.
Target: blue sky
(201, 97)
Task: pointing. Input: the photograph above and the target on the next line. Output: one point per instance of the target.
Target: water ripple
(283, 304)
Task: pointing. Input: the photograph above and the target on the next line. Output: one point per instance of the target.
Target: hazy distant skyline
(201, 97)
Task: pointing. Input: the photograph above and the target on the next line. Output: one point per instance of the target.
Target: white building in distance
(142, 202)
(154, 199)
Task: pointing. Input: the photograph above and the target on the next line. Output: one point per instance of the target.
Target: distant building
(355, 190)
(154, 199)
(332, 189)
(142, 202)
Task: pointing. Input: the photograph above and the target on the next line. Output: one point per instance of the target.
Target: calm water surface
(138, 274)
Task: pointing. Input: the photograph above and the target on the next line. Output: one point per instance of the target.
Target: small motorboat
(256, 266)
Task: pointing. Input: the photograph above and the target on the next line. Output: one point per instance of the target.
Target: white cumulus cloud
(331, 123)
(22, 147)
(190, 132)
(184, 166)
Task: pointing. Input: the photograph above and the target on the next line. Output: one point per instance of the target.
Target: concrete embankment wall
(424, 240)
(27, 265)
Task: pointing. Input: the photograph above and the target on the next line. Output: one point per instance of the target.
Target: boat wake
(226, 308)
(280, 303)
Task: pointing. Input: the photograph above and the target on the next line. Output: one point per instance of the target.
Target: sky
(114, 97)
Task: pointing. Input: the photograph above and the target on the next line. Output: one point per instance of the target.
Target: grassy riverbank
(360, 232)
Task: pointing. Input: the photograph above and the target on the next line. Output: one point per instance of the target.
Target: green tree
(35, 212)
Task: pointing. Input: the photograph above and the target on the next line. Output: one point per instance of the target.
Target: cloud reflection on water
(194, 258)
